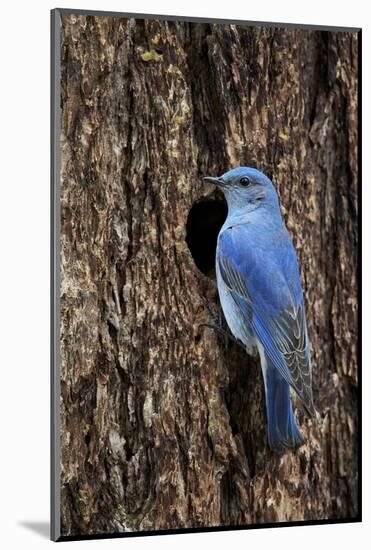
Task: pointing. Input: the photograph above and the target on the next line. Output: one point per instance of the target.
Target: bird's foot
(226, 333)
(216, 325)
(216, 316)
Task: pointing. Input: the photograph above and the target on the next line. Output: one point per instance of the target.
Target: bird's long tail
(283, 431)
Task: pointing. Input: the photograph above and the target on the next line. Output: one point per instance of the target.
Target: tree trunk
(162, 419)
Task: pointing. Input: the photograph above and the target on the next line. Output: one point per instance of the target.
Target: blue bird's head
(246, 189)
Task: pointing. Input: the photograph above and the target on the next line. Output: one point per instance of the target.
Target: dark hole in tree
(205, 219)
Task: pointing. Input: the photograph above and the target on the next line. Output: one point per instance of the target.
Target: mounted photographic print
(205, 261)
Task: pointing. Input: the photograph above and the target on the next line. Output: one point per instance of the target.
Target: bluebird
(261, 296)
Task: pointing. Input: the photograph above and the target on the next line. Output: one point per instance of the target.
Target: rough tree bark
(162, 421)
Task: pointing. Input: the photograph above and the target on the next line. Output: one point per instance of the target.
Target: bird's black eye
(245, 181)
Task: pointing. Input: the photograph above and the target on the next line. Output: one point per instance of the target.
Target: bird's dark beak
(215, 181)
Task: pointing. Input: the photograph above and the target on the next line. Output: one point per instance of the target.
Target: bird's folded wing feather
(265, 285)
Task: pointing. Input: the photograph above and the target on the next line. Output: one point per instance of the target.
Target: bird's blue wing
(263, 278)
